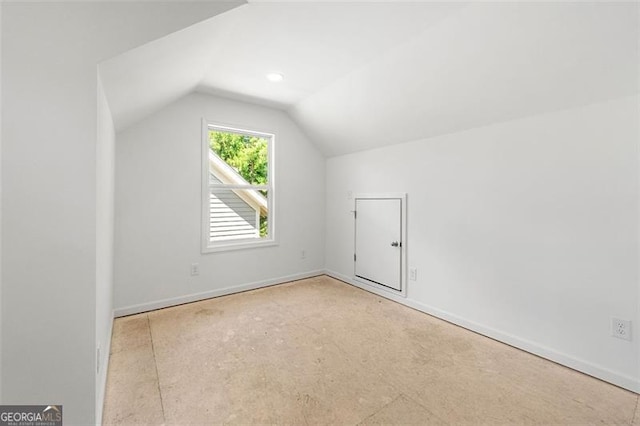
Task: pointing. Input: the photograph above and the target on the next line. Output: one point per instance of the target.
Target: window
(237, 196)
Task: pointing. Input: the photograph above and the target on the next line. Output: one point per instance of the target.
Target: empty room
(319, 212)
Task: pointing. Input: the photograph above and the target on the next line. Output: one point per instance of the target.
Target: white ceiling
(360, 75)
(485, 64)
(148, 78)
(312, 44)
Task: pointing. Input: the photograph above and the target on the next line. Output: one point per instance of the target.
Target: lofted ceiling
(360, 75)
(312, 44)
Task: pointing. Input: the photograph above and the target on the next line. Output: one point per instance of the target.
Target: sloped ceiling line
(364, 75)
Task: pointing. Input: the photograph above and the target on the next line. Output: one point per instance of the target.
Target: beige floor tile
(215, 319)
(403, 411)
(319, 297)
(636, 418)
(519, 388)
(466, 378)
(326, 384)
(319, 351)
(266, 374)
(133, 396)
(237, 397)
(213, 373)
(130, 332)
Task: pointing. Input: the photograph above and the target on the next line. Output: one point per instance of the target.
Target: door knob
(395, 244)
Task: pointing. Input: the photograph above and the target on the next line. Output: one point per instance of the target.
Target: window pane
(236, 214)
(238, 158)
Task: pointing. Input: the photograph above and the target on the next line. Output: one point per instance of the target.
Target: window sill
(240, 245)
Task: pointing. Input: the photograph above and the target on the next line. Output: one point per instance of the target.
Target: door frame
(403, 235)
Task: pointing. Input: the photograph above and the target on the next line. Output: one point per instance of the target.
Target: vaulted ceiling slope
(486, 64)
(148, 78)
(368, 74)
(313, 44)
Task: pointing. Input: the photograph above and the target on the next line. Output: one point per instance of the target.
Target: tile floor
(319, 351)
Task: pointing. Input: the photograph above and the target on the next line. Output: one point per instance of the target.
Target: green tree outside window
(247, 155)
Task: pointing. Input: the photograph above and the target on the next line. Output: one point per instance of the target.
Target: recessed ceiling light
(275, 77)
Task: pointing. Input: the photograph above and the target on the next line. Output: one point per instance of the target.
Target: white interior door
(378, 245)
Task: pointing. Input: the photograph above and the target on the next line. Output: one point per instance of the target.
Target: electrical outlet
(413, 274)
(303, 254)
(195, 269)
(621, 328)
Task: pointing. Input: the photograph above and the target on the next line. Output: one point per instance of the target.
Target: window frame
(208, 246)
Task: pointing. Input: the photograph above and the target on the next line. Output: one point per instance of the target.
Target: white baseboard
(165, 303)
(106, 355)
(602, 373)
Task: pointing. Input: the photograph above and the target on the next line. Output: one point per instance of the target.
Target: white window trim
(212, 247)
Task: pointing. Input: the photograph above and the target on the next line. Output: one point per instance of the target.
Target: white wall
(1, 401)
(158, 225)
(104, 242)
(526, 231)
(49, 202)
